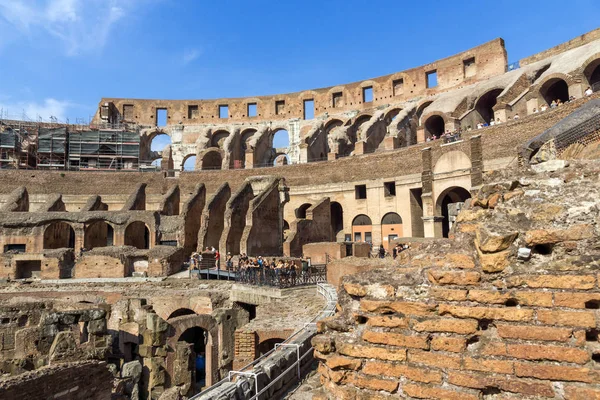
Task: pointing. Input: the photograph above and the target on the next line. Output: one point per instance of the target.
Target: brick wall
(76, 381)
(465, 318)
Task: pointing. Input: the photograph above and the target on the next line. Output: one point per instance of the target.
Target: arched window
(449, 204)
(189, 163)
(362, 229)
(212, 160)
(555, 89)
(391, 229)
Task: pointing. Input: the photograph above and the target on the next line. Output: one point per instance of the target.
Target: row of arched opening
(60, 234)
(275, 152)
(553, 89)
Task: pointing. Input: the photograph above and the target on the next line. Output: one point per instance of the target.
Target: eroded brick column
(432, 224)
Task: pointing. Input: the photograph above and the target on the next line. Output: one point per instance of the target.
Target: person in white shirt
(588, 91)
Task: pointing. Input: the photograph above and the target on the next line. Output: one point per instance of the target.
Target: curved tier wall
(473, 88)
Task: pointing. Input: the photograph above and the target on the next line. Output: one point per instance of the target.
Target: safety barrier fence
(273, 373)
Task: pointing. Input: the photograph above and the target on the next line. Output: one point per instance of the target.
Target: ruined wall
(506, 307)
(489, 60)
(73, 381)
(316, 227)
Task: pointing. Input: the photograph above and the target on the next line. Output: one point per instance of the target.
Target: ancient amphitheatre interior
(463, 159)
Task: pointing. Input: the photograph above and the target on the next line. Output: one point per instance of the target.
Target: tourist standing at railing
(229, 262)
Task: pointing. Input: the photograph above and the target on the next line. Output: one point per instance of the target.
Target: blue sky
(59, 57)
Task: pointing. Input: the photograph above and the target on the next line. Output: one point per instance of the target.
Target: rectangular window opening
(336, 99)
(279, 107)
(469, 67)
(193, 112)
(15, 248)
(368, 94)
(389, 189)
(161, 117)
(128, 112)
(432, 79)
(309, 109)
(360, 192)
(398, 86)
(224, 111)
(252, 110)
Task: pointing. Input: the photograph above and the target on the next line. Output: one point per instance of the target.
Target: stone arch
(337, 219)
(591, 71)
(301, 211)
(137, 234)
(211, 159)
(435, 125)
(58, 235)
(181, 312)
(484, 105)
(151, 150)
(276, 152)
(448, 203)
(281, 159)
(362, 228)
(452, 161)
(391, 114)
(179, 325)
(391, 228)
(358, 122)
(192, 162)
(421, 108)
(98, 233)
(554, 87)
(218, 138)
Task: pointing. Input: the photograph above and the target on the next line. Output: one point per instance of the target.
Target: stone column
(476, 163)
(432, 225)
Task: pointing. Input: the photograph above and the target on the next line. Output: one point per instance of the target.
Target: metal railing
(296, 339)
(282, 278)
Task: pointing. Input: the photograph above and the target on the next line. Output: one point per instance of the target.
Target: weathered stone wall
(72, 381)
(490, 60)
(506, 307)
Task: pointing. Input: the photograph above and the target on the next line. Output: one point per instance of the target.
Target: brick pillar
(359, 148)
(249, 159)
(420, 135)
(432, 224)
(476, 163)
(390, 143)
(332, 156)
(246, 343)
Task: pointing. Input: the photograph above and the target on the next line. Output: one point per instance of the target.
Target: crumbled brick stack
(471, 317)
(245, 347)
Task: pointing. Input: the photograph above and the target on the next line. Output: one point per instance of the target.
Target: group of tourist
(262, 271)
(447, 136)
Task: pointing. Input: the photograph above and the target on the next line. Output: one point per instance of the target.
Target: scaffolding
(103, 150)
(52, 148)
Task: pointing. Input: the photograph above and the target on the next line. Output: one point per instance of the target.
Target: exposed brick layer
(439, 325)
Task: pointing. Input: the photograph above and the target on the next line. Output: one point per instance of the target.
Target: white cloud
(190, 55)
(82, 26)
(48, 108)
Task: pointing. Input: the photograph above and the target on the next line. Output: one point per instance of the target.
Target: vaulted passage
(212, 160)
(337, 221)
(555, 89)
(485, 105)
(59, 235)
(98, 234)
(137, 235)
(434, 126)
(449, 204)
(391, 229)
(198, 337)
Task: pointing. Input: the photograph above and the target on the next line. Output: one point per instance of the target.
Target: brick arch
(589, 66)
(178, 325)
(209, 156)
(164, 310)
(185, 158)
(543, 86)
